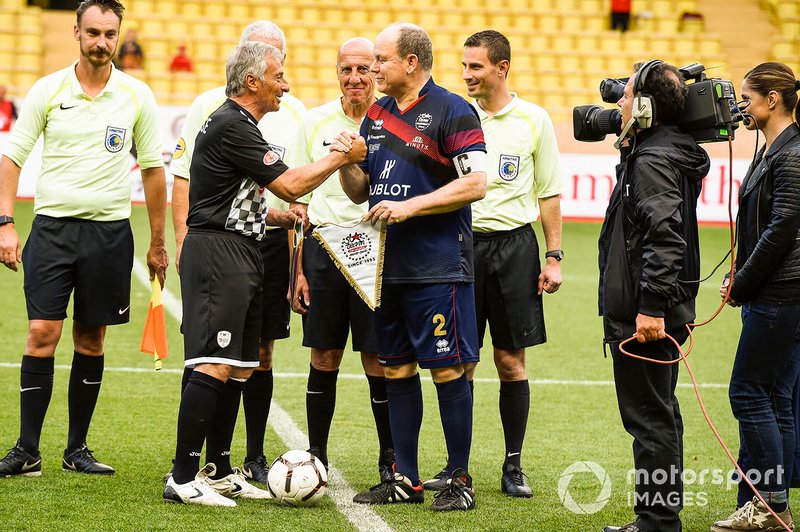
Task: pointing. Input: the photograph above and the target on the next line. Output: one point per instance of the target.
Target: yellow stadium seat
(685, 46)
(553, 101)
(546, 61)
(526, 21)
(611, 41)
(8, 21)
(157, 47)
(586, 43)
(184, 84)
(539, 42)
(563, 42)
(591, 7)
(207, 67)
(429, 19)
(238, 10)
(790, 27)
(152, 28)
(476, 19)
(542, 5)
(380, 17)
(227, 31)
(452, 18)
(7, 40)
(787, 9)
(570, 62)
(594, 63)
(522, 78)
(205, 49)
(549, 21)
(167, 8)
(191, 9)
(29, 42)
(500, 19)
(783, 47)
(709, 45)
(214, 10)
(595, 22)
(572, 22)
(667, 25)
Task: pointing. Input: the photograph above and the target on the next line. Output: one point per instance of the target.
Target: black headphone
(644, 107)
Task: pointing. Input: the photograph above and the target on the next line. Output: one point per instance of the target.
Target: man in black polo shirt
(222, 270)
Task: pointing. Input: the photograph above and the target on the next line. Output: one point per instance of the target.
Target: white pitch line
(362, 517)
(356, 376)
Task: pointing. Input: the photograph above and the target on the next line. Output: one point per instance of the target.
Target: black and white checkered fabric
(248, 214)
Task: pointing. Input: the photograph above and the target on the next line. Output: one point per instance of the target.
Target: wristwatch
(555, 254)
(4, 219)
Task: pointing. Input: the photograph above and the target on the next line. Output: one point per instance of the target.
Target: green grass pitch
(573, 418)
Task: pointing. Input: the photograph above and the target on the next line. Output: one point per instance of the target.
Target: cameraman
(767, 285)
(648, 246)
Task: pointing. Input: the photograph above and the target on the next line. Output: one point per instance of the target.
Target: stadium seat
(787, 9)
(214, 10)
(191, 9)
(238, 10)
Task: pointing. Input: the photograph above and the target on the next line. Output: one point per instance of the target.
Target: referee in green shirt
(80, 242)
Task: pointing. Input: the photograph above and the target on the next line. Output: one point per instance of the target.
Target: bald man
(331, 308)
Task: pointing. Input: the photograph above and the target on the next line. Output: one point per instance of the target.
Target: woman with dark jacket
(766, 284)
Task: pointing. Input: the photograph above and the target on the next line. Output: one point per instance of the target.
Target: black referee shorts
(275, 311)
(506, 280)
(92, 259)
(335, 307)
(221, 277)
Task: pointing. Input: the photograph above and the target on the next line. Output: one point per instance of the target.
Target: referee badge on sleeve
(509, 167)
(115, 139)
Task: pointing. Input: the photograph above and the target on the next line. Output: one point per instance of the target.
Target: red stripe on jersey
(407, 133)
(462, 139)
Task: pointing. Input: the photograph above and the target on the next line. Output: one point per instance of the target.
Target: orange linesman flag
(154, 338)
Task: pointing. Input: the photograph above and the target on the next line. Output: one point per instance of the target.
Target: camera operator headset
(644, 107)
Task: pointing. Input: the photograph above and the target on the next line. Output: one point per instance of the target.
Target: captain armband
(468, 162)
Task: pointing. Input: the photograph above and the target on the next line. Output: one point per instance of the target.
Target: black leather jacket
(648, 244)
(768, 257)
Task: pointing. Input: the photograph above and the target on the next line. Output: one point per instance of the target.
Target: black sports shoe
(19, 462)
(513, 482)
(83, 461)
(439, 481)
(256, 469)
(458, 495)
(386, 465)
(397, 490)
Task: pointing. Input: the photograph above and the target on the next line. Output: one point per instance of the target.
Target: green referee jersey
(522, 166)
(328, 202)
(280, 129)
(86, 161)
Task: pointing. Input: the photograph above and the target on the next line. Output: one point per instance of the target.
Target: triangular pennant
(357, 250)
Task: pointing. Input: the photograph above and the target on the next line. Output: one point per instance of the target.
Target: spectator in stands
(8, 111)
(620, 14)
(181, 62)
(130, 53)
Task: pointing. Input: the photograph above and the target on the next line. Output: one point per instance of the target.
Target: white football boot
(197, 491)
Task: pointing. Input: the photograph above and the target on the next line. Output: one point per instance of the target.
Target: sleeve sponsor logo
(115, 139)
(509, 167)
(180, 148)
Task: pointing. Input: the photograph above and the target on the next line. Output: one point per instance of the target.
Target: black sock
(198, 401)
(405, 416)
(779, 507)
(455, 409)
(35, 389)
(515, 400)
(320, 404)
(187, 374)
(257, 398)
(472, 392)
(380, 411)
(84, 387)
(220, 430)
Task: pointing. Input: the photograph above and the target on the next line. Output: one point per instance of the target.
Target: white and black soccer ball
(297, 478)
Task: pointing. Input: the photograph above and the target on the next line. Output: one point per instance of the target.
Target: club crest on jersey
(180, 148)
(378, 124)
(423, 121)
(224, 338)
(115, 139)
(356, 246)
(509, 167)
(271, 158)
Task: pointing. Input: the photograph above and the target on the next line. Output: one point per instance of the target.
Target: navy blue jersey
(411, 153)
(232, 164)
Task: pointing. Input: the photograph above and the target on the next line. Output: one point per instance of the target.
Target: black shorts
(506, 280)
(275, 311)
(93, 259)
(335, 308)
(221, 278)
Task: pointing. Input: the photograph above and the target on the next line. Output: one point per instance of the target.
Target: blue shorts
(431, 324)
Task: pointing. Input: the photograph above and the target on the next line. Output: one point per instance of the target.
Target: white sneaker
(236, 486)
(196, 491)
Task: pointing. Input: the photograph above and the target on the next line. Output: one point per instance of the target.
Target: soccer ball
(297, 478)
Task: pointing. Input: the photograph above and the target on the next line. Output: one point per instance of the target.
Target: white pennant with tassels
(357, 250)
